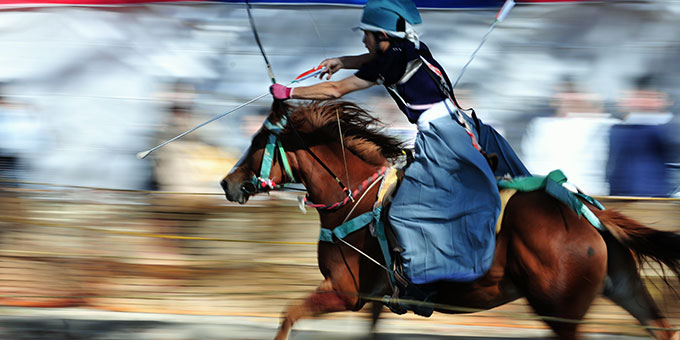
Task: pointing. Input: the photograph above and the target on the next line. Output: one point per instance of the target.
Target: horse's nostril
(248, 188)
(224, 184)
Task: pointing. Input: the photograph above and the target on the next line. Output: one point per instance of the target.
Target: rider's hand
(331, 66)
(280, 92)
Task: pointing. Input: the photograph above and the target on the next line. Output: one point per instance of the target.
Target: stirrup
(392, 302)
(403, 289)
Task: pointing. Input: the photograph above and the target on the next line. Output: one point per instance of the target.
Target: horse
(544, 251)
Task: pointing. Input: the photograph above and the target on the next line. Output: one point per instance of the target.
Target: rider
(445, 211)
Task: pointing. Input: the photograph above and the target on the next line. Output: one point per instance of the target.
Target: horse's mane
(363, 134)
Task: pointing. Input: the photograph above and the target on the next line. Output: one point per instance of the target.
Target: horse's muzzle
(235, 192)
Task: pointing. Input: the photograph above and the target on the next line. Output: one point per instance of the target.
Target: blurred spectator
(19, 137)
(574, 140)
(643, 144)
(188, 168)
(189, 164)
(8, 158)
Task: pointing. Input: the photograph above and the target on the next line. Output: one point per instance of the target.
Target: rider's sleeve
(385, 69)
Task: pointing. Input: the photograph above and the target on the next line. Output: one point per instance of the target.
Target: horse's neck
(322, 189)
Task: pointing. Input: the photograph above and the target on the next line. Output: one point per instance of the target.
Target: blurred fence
(166, 252)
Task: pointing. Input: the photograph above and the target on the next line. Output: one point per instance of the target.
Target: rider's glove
(280, 92)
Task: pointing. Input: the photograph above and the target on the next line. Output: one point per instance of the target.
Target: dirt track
(160, 254)
(84, 324)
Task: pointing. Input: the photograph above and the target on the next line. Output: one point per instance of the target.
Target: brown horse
(544, 251)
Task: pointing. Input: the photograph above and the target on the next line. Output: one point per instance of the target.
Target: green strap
(384, 246)
(268, 157)
(272, 143)
(357, 223)
(591, 200)
(552, 184)
(532, 183)
(276, 128)
(590, 216)
(284, 160)
(350, 226)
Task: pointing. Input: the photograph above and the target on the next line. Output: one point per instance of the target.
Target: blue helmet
(383, 15)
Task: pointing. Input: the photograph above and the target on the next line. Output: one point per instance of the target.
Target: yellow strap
(506, 194)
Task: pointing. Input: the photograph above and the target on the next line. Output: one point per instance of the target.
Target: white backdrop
(91, 80)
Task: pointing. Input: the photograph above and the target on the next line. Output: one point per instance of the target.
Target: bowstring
(259, 44)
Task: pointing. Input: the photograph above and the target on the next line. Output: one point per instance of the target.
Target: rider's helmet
(394, 17)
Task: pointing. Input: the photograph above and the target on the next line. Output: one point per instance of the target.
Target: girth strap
(357, 223)
(350, 226)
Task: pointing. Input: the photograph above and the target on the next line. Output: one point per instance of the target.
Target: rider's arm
(331, 89)
(353, 62)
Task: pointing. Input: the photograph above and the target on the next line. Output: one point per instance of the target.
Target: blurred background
(588, 87)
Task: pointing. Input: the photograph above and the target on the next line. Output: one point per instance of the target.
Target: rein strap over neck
(345, 189)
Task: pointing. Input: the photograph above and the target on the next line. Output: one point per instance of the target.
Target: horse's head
(272, 158)
(264, 165)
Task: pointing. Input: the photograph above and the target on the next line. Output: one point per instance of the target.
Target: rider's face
(369, 42)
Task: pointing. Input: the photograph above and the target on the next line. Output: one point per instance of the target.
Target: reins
(365, 184)
(344, 188)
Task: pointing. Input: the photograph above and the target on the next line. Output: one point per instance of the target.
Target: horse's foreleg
(376, 309)
(325, 299)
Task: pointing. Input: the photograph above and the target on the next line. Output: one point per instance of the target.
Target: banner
(441, 4)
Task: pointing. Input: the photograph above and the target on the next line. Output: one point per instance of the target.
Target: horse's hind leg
(563, 301)
(624, 287)
(324, 300)
(557, 260)
(376, 309)
(562, 289)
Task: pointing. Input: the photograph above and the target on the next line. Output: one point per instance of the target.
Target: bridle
(263, 182)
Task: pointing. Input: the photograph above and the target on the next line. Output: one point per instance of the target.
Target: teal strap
(384, 247)
(276, 128)
(272, 143)
(349, 227)
(552, 184)
(590, 216)
(357, 223)
(284, 160)
(326, 235)
(268, 157)
(532, 183)
(591, 200)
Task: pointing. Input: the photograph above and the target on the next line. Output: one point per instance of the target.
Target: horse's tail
(646, 243)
